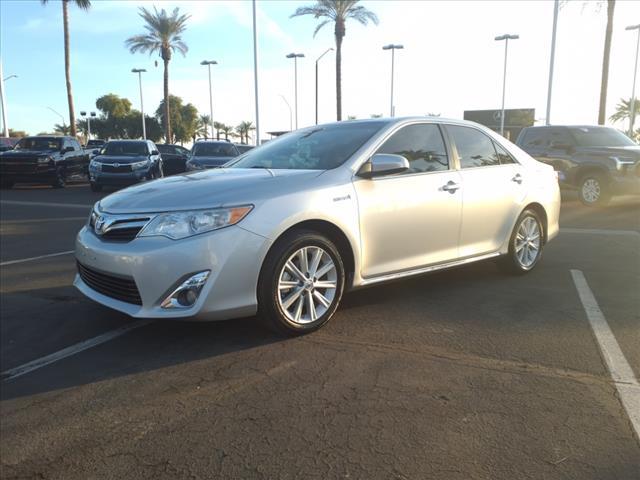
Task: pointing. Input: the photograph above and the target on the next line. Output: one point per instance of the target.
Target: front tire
(525, 244)
(60, 179)
(594, 190)
(301, 283)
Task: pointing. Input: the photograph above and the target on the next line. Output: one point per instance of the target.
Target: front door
(412, 219)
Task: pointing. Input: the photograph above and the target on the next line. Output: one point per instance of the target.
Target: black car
(174, 158)
(598, 161)
(242, 148)
(211, 154)
(125, 162)
(43, 159)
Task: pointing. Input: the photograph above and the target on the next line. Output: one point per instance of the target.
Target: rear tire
(525, 244)
(301, 283)
(60, 180)
(594, 190)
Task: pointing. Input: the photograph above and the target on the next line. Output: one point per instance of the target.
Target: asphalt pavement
(464, 374)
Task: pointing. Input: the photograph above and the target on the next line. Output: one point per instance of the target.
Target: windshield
(317, 148)
(95, 143)
(214, 150)
(600, 137)
(40, 144)
(129, 149)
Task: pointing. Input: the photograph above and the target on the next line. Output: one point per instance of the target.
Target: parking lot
(466, 374)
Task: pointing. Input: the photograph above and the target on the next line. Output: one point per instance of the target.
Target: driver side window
(422, 145)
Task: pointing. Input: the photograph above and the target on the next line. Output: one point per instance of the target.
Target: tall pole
(506, 39)
(139, 71)
(3, 103)
(317, 60)
(295, 57)
(208, 63)
(632, 118)
(556, 7)
(393, 49)
(255, 72)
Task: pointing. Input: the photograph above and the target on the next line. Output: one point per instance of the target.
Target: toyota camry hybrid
(284, 229)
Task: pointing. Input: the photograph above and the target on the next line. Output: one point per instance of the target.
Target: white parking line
(45, 204)
(623, 377)
(72, 350)
(600, 231)
(30, 259)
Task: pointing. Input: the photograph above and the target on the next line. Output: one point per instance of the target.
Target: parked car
(94, 146)
(211, 154)
(43, 159)
(174, 158)
(7, 143)
(289, 226)
(599, 162)
(125, 162)
(242, 148)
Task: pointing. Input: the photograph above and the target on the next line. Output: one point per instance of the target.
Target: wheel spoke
(315, 262)
(326, 268)
(304, 261)
(287, 302)
(322, 299)
(325, 284)
(298, 313)
(287, 284)
(291, 267)
(311, 308)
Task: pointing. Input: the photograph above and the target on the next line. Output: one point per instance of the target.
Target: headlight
(140, 165)
(622, 162)
(44, 159)
(176, 225)
(194, 166)
(97, 166)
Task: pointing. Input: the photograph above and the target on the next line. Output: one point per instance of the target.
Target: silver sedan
(285, 229)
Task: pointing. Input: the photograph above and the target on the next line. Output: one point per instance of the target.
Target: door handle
(517, 179)
(450, 187)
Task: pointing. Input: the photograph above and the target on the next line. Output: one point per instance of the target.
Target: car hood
(27, 153)
(123, 160)
(208, 189)
(626, 151)
(210, 161)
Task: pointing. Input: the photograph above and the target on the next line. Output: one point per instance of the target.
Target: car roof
(128, 141)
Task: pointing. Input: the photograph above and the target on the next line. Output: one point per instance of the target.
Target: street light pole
(140, 71)
(91, 114)
(208, 63)
(64, 124)
(295, 57)
(506, 38)
(318, 59)
(290, 114)
(633, 88)
(255, 72)
(556, 7)
(3, 105)
(393, 49)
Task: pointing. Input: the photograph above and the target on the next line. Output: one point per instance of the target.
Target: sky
(450, 61)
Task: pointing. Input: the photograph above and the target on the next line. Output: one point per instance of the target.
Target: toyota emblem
(116, 165)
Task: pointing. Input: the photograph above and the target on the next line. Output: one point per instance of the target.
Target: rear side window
(536, 137)
(475, 149)
(504, 157)
(422, 145)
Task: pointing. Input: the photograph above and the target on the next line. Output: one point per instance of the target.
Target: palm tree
(227, 130)
(243, 130)
(337, 11)
(218, 127)
(611, 5)
(164, 36)
(202, 129)
(63, 129)
(82, 5)
(623, 110)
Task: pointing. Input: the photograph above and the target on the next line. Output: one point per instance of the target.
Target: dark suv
(45, 159)
(599, 161)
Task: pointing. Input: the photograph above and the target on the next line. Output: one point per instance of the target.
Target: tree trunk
(611, 4)
(67, 66)
(167, 117)
(339, 33)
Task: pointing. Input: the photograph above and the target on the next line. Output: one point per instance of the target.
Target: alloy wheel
(527, 242)
(307, 285)
(591, 190)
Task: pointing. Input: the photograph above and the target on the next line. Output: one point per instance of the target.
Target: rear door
(493, 188)
(412, 219)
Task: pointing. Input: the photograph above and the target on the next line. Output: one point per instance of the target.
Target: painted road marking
(72, 350)
(625, 381)
(45, 204)
(30, 259)
(600, 231)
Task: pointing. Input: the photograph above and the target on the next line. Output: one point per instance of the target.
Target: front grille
(121, 230)
(19, 167)
(106, 168)
(125, 234)
(120, 288)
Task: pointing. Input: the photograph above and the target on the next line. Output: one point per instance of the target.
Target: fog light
(186, 295)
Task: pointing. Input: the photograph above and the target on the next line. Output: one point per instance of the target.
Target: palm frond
(320, 25)
(363, 15)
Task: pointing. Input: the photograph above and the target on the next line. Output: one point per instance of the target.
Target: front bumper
(128, 178)
(157, 265)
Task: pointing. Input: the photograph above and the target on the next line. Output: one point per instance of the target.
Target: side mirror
(155, 152)
(383, 164)
(67, 149)
(96, 151)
